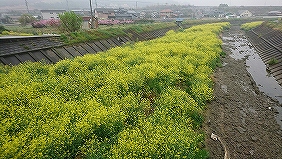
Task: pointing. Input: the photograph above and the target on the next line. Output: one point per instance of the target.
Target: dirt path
(240, 114)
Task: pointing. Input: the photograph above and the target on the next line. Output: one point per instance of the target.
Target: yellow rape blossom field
(142, 100)
(251, 25)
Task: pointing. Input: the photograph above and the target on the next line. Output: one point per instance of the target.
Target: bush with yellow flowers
(251, 25)
(142, 100)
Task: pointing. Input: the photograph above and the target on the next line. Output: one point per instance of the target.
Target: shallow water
(241, 48)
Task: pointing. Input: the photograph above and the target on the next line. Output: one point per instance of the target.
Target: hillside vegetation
(142, 100)
(275, 24)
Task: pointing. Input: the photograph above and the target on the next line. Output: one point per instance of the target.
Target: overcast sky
(234, 2)
(149, 2)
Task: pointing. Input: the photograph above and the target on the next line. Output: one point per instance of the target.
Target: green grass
(272, 61)
(84, 35)
(275, 24)
(35, 31)
(113, 31)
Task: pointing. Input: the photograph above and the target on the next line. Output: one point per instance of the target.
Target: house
(214, 14)
(104, 13)
(167, 13)
(85, 14)
(124, 14)
(51, 14)
(274, 13)
(82, 12)
(230, 15)
(133, 14)
(155, 14)
(6, 19)
(245, 13)
(14, 18)
(143, 14)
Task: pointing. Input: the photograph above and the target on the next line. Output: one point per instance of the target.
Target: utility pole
(26, 3)
(91, 12)
(136, 4)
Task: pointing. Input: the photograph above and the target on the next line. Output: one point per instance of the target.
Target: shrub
(5, 32)
(2, 28)
(70, 22)
(25, 19)
(272, 61)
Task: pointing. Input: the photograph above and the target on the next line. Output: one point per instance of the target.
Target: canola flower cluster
(142, 100)
(251, 25)
(12, 33)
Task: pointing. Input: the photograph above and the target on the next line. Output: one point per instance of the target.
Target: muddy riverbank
(242, 117)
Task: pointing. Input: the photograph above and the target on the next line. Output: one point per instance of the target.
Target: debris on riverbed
(240, 112)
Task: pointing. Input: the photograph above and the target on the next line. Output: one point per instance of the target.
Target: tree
(223, 5)
(2, 28)
(7, 20)
(25, 19)
(70, 22)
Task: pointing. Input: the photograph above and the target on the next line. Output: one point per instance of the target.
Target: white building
(274, 13)
(51, 14)
(245, 13)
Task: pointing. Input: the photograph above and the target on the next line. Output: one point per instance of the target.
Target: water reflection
(241, 48)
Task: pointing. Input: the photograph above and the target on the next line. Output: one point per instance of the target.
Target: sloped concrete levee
(16, 50)
(268, 43)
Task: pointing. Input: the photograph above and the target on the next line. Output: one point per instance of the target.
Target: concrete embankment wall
(268, 43)
(16, 50)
